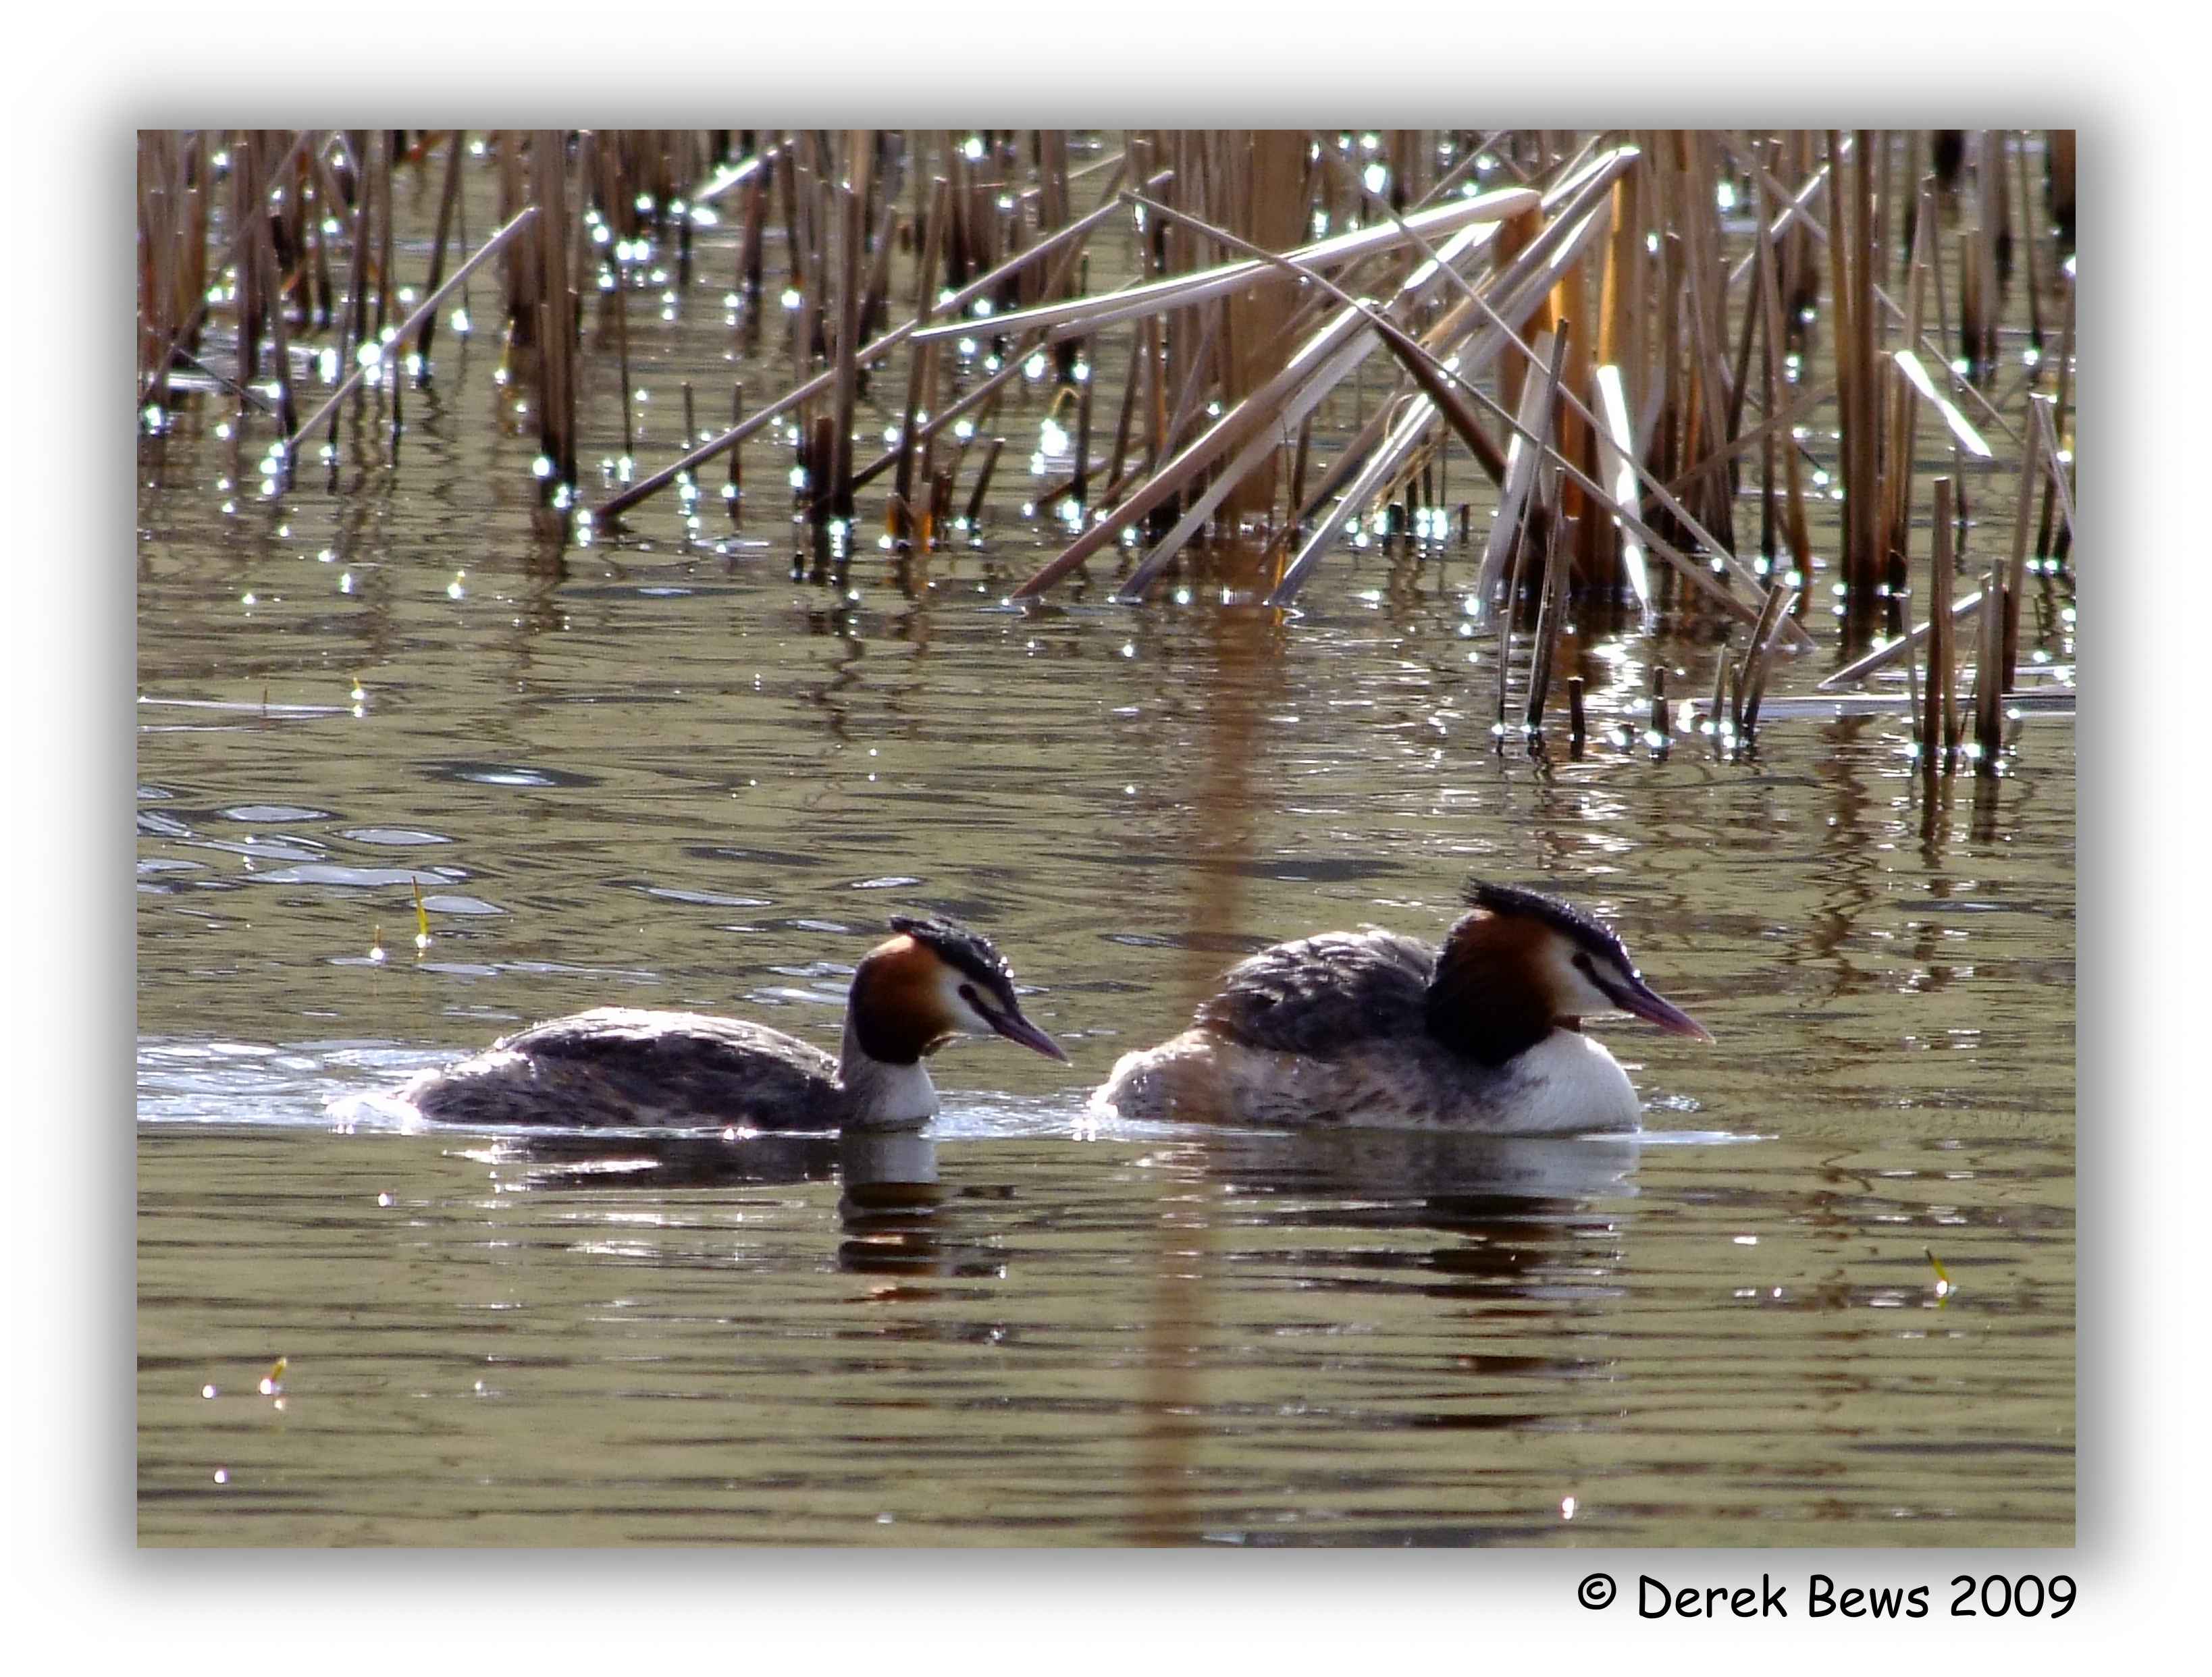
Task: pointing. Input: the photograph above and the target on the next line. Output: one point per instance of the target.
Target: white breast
(1568, 1082)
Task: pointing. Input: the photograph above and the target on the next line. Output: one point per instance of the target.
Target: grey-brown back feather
(1322, 994)
(629, 1066)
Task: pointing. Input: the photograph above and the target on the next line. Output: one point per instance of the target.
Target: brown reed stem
(1942, 722)
(733, 497)
(921, 363)
(2015, 574)
(1081, 487)
(1989, 684)
(449, 198)
(556, 334)
(2045, 546)
(973, 515)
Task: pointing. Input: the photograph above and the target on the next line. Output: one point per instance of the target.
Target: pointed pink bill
(1015, 1028)
(1646, 1003)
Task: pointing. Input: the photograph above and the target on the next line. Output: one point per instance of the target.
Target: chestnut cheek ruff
(894, 1014)
(1482, 1003)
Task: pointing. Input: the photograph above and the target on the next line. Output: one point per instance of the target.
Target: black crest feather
(972, 952)
(1569, 923)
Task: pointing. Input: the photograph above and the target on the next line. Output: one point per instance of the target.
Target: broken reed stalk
(1758, 656)
(1551, 613)
(1524, 463)
(1072, 234)
(1889, 652)
(1566, 203)
(423, 311)
(983, 394)
(1265, 405)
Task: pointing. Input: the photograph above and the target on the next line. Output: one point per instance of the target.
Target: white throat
(882, 1094)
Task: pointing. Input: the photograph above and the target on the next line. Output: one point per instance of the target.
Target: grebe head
(934, 980)
(1523, 963)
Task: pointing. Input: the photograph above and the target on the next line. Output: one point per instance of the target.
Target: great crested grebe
(627, 1067)
(1370, 1028)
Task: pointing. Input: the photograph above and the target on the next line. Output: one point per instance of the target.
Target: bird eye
(1582, 961)
(967, 994)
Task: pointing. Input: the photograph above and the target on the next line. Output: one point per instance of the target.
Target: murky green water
(675, 777)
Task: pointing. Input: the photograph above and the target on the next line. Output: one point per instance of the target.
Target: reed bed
(1616, 372)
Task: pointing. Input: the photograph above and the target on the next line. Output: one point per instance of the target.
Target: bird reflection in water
(1525, 1211)
(892, 1208)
